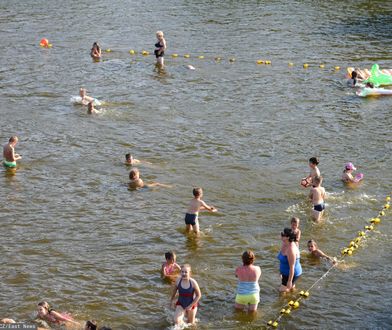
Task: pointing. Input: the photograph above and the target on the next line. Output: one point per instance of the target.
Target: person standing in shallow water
(9, 155)
(160, 48)
(248, 289)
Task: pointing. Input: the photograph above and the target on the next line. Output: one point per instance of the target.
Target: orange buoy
(44, 42)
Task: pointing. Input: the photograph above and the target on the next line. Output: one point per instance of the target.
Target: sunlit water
(73, 234)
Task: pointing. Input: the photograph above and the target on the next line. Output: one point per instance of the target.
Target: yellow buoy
(306, 65)
(200, 56)
(232, 59)
(282, 311)
(291, 303)
(357, 240)
(145, 53)
(387, 206)
(50, 45)
(218, 58)
(288, 311)
(388, 198)
(382, 213)
(349, 252)
(291, 63)
(108, 50)
(132, 52)
(267, 62)
(361, 233)
(174, 55)
(296, 305)
(275, 324)
(260, 62)
(322, 66)
(352, 243)
(337, 68)
(187, 56)
(307, 294)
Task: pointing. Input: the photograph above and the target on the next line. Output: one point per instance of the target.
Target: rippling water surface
(74, 235)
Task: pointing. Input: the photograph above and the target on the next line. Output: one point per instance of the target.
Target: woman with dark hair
(248, 290)
(290, 266)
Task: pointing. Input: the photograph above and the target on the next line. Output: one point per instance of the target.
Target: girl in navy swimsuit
(188, 297)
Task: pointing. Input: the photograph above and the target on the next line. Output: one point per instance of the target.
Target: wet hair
(369, 84)
(294, 220)
(317, 179)
(13, 139)
(128, 156)
(314, 160)
(133, 173)
(354, 74)
(311, 241)
(170, 255)
(288, 232)
(248, 258)
(91, 325)
(45, 305)
(197, 192)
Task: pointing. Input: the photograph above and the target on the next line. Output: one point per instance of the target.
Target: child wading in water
(317, 196)
(347, 175)
(316, 252)
(314, 171)
(160, 48)
(188, 297)
(170, 268)
(295, 228)
(196, 205)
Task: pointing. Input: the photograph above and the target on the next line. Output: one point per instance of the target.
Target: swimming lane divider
(347, 251)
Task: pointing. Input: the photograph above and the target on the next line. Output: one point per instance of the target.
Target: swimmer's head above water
(134, 174)
(186, 272)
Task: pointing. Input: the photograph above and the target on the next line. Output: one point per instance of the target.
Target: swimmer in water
(90, 325)
(52, 317)
(136, 182)
(170, 268)
(90, 108)
(85, 98)
(9, 155)
(317, 196)
(316, 252)
(353, 81)
(196, 205)
(160, 48)
(129, 160)
(188, 297)
(248, 289)
(295, 228)
(347, 175)
(96, 52)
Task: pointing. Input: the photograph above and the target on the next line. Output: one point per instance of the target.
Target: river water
(73, 234)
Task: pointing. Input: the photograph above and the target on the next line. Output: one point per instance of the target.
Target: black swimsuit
(158, 52)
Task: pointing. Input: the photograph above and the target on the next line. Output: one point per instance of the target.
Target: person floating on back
(196, 205)
(317, 196)
(9, 155)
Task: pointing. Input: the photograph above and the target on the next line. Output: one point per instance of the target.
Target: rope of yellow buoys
(348, 251)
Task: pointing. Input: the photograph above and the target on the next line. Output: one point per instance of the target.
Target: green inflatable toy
(378, 78)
